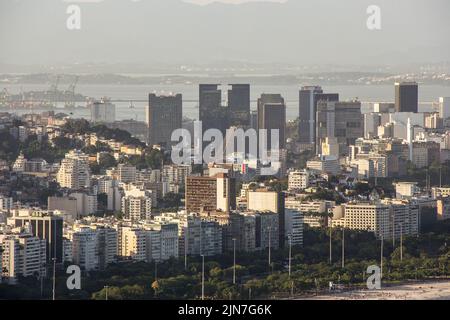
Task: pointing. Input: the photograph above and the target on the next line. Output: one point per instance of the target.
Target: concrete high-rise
(265, 200)
(341, 120)
(407, 97)
(103, 111)
(309, 96)
(210, 193)
(201, 194)
(226, 193)
(164, 115)
(21, 255)
(137, 204)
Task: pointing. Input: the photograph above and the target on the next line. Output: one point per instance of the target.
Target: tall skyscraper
(340, 120)
(212, 114)
(239, 104)
(309, 96)
(164, 115)
(272, 116)
(103, 111)
(407, 97)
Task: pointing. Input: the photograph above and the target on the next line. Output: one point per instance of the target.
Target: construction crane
(70, 103)
(54, 86)
(54, 90)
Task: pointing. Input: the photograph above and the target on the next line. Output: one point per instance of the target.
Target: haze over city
(175, 32)
(224, 157)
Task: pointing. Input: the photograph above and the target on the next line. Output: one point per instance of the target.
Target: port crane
(70, 103)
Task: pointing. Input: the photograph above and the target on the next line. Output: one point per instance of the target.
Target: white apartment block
(111, 187)
(87, 204)
(85, 249)
(162, 242)
(133, 243)
(371, 166)
(368, 217)
(19, 164)
(298, 180)
(147, 243)
(314, 212)
(388, 218)
(23, 255)
(176, 174)
(324, 164)
(10, 259)
(91, 246)
(293, 226)
(74, 171)
(406, 190)
(107, 243)
(404, 218)
(263, 200)
(199, 237)
(136, 208)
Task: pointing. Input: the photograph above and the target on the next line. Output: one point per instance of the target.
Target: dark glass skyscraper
(164, 115)
(214, 115)
(407, 97)
(272, 115)
(309, 96)
(239, 104)
(211, 113)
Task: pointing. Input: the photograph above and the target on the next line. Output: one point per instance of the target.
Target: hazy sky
(173, 31)
(204, 2)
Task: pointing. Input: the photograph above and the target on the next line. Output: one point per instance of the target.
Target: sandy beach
(435, 290)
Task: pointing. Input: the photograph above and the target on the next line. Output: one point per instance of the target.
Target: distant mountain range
(154, 32)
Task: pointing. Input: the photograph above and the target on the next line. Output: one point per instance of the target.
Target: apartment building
(22, 254)
(298, 180)
(74, 172)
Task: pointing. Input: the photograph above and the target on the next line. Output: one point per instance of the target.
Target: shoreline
(412, 290)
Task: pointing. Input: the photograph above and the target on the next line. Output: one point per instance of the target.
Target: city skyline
(247, 151)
